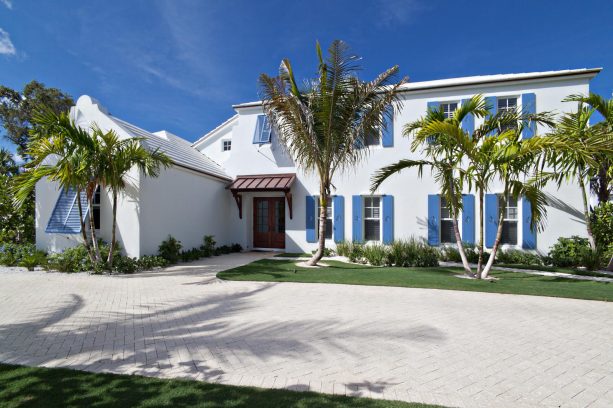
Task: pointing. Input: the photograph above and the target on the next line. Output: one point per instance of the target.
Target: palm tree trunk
(321, 242)
(83, 232)
(480, 261)
(456, 231)
(112, 248)
(92, 227)
(492, 257)
(586, 213)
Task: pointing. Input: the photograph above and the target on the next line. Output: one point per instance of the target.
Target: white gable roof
(176, 148)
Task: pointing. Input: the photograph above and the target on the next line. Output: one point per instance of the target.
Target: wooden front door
(269, 222)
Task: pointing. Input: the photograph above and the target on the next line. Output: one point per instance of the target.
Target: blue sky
(180, 65)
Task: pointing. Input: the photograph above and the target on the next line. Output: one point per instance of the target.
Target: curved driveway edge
(453, 348)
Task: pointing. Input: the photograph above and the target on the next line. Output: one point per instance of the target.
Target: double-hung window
(507, 105)
(372, 218)
(328, 232)
(447, 235)
(448, 108)
(510, 221)
(226, 145)
(96, 208)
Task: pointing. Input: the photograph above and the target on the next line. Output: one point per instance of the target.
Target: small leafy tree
(324, 123)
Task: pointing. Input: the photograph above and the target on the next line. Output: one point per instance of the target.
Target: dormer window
(263, 130)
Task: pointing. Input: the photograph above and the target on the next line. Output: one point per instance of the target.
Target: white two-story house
(238, 183)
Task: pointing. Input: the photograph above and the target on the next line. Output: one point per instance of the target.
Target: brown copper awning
(262, 182)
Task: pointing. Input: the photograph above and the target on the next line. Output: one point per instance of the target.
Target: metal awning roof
(263, 182)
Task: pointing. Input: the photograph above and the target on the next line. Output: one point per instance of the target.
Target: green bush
(375, 254)
(148, 262)
(571, 252)
(12, 254)
(356, 252)
(602, 226)
(518, 257)
(236, 247)
(592, 260)
(170, 249)
(450, 253)
(30, 261)
(327, 252)
(125, 264)
(208, 245)
(343, 248)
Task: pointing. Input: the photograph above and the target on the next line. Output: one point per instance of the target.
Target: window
(447, 234)
(96, 208)
(372, 140)
(263, 130)
(328, 218)
(448, 108)
(226, 145)
(507, 105)
(372, 218)
(509, 223)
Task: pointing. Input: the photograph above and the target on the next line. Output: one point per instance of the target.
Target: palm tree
(117, 158)
(57, 151)
(444, 158)
(7, 162)
(323, 124)
(602, 182)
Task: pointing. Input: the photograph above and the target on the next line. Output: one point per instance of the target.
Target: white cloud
(6, 45)
(7, 3)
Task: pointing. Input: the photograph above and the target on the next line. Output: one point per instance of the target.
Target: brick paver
(453, 348)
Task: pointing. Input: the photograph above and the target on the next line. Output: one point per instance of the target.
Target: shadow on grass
(55, 387)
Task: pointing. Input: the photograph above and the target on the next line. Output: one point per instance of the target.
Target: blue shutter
(388, 130)
(434, 212)
(433, 106)
(263, 130)
(356, 204)
(491, 219)
(338, 203)
(490, 102)
(468, 123)
(528, 102)
(65, 216)
(388, 219)
(468, 218)
(528, 240)
(310, 219)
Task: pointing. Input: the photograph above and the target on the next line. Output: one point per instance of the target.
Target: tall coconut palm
(444, 159)
(7, 162)
(602, 182)
(57, 152)
(323, 123)
(117, 157)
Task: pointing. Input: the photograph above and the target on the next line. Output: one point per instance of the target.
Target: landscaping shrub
(573, 251)
(208, 246)
(375, 254)
(602, 226)
(148, 262)
(343, 248)
(170, 249)
(236, 247)
(592, 260)
(450, 253)
(327, 252)
(356, 252)
(30, 261)
(125, 264)
(12, 254)
(516, 256)
(192, 255)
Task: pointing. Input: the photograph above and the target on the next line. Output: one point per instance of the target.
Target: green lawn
(56, 387)
(573, 271)
(438, 278)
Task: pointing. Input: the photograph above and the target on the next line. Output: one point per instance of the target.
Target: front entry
(269, 222)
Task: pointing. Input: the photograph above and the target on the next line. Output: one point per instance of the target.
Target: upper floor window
(448, 108)
(447, 234)
(263, 130)
(372, 140)
(506, 104)
(372, 218)
(509, 223)
(328, 232)
(226, 145)
(96, 208)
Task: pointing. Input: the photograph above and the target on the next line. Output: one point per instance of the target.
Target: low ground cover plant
(406, 253)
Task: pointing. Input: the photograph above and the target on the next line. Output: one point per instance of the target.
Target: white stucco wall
(184, 204)
(410, 193)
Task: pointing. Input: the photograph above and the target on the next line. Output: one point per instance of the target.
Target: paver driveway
(452, 348)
